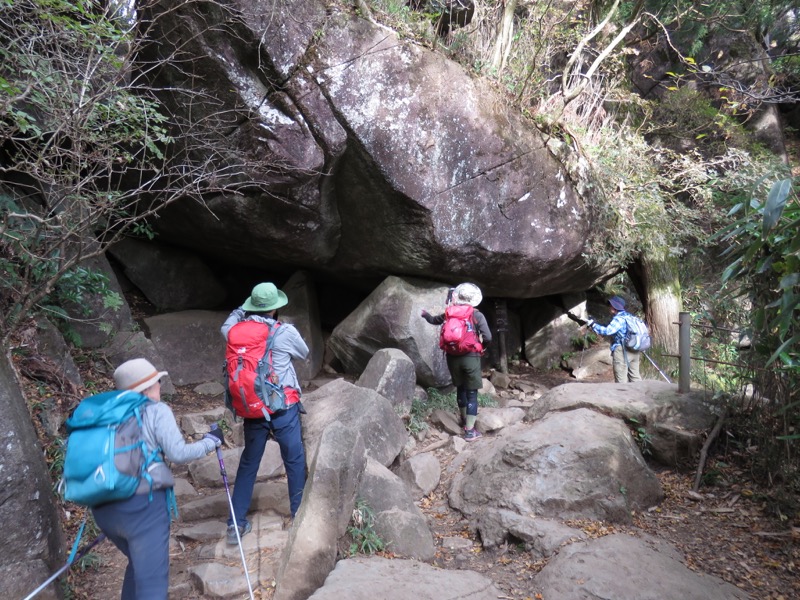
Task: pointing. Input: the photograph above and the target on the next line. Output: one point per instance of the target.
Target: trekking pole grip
(214, 426)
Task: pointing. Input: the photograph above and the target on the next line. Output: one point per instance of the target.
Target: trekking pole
(573, 317)
(70, 561)
(233, 515)
(652, 362)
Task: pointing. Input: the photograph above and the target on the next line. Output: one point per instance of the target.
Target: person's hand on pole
(215, 435)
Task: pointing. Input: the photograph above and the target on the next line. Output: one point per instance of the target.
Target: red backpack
(459, 335)
(252, 388)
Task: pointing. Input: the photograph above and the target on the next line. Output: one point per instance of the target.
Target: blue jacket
(618, 328)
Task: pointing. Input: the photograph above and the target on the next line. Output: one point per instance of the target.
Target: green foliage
(763, 258)
(76, 128)
(684, 114)
(642, 437)
(79, 284)
(691, 34)
(422, 409)
(90, 560)
(765, 252)
(630, 210)
(89, 151)
(418, 417)
(584, 341)
(788, 67)
(365, 539)
(54, 454)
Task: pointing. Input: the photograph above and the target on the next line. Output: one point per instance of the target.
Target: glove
(576, 318)
(216, 436)
(425, 314)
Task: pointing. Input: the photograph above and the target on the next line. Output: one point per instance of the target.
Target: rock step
(216, 569)
(270, 496)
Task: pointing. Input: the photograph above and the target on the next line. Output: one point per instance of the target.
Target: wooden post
(684, 350)
(501, 319)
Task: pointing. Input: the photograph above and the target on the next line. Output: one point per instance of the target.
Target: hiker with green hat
(624, 360)
(255, 325)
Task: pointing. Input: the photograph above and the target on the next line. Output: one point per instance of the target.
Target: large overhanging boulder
(376, 156)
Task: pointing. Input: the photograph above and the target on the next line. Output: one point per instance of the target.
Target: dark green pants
(465, 371)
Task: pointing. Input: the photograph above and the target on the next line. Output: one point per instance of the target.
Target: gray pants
(140, 529)
(625, 370)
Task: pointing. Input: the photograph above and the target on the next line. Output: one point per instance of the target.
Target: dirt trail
(728, 532)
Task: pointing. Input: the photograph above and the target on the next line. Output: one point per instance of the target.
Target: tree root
(704, 451)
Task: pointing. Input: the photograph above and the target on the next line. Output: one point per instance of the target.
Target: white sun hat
(467, 293)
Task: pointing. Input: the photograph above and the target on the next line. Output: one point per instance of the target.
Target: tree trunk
(655, 276)
(502, 44)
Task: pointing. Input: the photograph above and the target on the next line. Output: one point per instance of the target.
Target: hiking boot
(243, 529)
(472, 434)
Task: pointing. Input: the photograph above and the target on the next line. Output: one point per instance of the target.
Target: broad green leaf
(783, 409)
(787, 344)
(790, 280)
(759, 318)
(754, 249)
(764, 265)
(776, 200)
(732, 270)
(736, 208)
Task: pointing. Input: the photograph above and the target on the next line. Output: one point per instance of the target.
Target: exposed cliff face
(362, 154)
(32, 540)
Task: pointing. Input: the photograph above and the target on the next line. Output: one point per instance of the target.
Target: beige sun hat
(264, 298)
(137, 374)
(467, 293)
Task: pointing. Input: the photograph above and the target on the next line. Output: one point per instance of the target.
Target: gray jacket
(160, 430)
(288, 345)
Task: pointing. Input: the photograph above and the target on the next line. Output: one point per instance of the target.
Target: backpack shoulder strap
(272, 333)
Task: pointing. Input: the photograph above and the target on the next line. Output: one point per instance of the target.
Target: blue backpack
(106, 456)
(637, 336)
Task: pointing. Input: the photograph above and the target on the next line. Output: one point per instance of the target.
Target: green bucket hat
(264, 298)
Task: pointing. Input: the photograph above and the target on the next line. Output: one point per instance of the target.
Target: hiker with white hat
(139, 525)
(463, 338)
(283, 343)
(624, 360)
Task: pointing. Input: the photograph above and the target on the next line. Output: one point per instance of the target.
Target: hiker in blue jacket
(624, 360)
(284, 425)
(139, 525)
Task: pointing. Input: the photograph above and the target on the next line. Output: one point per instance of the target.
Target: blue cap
(617, 303)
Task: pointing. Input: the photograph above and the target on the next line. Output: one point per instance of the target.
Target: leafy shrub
(365, 539)
(422, 409)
